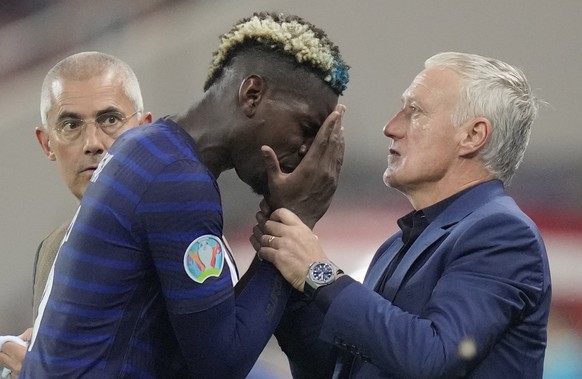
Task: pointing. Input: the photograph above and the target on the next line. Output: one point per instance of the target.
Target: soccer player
(141, 286)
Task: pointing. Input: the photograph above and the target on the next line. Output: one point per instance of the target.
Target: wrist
(320, 274)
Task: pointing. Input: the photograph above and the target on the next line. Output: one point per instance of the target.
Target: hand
(308, 190)
(12, 354)
(26, 335)
(288, 244)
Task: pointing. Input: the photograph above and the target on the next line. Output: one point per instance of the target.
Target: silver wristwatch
(320, 274)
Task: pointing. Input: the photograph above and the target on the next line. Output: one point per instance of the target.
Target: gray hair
(501, 93)
(83, 66)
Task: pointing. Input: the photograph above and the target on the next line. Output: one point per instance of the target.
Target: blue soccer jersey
(141, 287)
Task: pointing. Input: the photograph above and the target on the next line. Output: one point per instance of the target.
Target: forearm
(298, 336)
(230, 336)
(248, 275)
(426, 344)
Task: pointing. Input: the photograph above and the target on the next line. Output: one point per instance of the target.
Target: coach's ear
(475, 134)
(146, 118)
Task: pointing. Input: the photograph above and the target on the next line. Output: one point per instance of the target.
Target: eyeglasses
(70, 129)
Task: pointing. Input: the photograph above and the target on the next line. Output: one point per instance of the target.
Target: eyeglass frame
(84, 123)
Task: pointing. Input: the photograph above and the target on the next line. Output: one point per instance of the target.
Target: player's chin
(259, 185)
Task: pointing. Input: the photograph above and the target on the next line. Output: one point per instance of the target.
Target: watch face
(321, 272)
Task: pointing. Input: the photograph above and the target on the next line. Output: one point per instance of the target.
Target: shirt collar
(414, 223)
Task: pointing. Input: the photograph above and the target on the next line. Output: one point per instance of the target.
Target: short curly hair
(288, 35)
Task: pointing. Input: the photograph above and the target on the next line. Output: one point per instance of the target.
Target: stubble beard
(259, 184)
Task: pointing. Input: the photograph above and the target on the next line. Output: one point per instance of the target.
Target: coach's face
(424, 140)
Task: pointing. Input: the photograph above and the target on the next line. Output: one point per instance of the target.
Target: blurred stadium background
(169, 44)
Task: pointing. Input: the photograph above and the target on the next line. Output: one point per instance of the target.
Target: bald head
(84, 66)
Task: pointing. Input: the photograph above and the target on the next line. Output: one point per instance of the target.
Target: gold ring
(271, 238)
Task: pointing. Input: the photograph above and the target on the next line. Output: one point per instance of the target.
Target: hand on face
(288, 244)
(308, 190)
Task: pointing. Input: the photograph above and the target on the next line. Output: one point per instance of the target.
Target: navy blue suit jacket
(476, 308)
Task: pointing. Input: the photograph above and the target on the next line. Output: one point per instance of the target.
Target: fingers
(264, 239)
(7, 361)
(340, 108)
(332, 126)
(265, 252)
(3, 359)
(274, 173)
(280, 220)
(258, 241)
(329, 131)
(283, 216)
(270, 240)
(327, 150)
(333, 122)
(261, 219)
(337, 144)
(340, 146)
(264, 207)
(12, 356)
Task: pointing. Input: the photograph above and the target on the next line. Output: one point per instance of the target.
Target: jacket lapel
(387, 252)
(459, 209)
(427, 238)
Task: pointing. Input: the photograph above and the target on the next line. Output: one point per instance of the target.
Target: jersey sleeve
(180, 224)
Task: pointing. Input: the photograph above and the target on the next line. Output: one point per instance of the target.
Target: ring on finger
(271, 238)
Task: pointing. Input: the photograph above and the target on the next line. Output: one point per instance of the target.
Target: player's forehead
(315, 104)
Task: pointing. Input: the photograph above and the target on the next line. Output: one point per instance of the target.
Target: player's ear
(43, 137)
(250, 94)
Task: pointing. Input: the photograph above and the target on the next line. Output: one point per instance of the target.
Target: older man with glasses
(71, 128)
(87, 100)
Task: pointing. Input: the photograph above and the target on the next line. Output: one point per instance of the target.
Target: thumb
(26, 335)
(271, 162)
